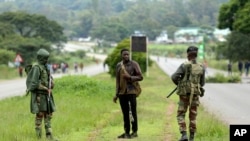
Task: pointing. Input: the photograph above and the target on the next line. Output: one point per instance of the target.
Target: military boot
(38, 132)
(183, 136)
(191, 137)
(50, 137)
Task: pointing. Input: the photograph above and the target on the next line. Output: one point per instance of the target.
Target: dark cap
(192, 49)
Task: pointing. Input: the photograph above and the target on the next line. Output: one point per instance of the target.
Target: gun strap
(123, 67)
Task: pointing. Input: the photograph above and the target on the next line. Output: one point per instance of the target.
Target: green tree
(203, 12)
(85, 25)
(111, 30)
(5, 29)
(235, 16)
(115, 57)
(80, 53)
(6, 56)
(148, 16)
(236, 48)
(171, 30)
(26, 47)
(32, 25)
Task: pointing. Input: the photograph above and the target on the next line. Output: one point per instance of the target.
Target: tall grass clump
(221, 78)
(83, 103)
(210, 128)
(8, 73)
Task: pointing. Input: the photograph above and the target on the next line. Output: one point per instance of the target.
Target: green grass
(8, 73)
(85, 112)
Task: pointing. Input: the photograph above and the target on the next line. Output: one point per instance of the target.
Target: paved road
(17, 87)
(229, 102)
(73, 47)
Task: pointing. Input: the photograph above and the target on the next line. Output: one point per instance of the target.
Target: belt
(44, 92)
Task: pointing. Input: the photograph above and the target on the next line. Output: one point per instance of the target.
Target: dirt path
(169, 113)
(101, 125)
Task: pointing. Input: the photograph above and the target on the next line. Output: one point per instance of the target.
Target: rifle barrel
(172, 92)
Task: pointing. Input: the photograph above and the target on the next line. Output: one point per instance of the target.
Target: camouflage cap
(192, 49)
(43, 52)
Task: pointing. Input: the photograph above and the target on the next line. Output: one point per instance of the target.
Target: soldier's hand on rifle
(49, 91)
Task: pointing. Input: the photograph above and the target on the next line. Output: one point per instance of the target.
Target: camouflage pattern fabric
(182, 110)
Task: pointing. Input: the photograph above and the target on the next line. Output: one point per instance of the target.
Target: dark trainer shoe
(124, 136)
(134, 135)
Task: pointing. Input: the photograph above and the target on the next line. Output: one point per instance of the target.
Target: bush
(220, 78)
(115, 57)
(6, 56)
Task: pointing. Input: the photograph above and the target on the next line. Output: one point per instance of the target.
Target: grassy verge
(85, 112)
(8, 73)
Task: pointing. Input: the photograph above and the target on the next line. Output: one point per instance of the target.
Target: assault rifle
(172, 92)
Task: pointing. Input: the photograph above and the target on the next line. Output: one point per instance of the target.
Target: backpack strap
(188, 69)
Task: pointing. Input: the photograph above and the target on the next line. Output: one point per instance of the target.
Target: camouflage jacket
(180, 78)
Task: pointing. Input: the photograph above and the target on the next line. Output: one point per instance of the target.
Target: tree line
(23, 32)
(113, 20)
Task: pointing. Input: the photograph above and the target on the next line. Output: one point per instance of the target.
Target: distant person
(81, 66)
(128, 72)
(189, 79)
(229, 68)
(20, 71)
(62, 66)
(40, 83)
(247, 65)
(76, 67)
(240, 67)
(66, 67)
(54, 67)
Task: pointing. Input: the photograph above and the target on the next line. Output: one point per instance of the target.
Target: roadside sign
(139, 44)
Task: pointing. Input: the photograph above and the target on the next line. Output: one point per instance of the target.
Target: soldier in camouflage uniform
(189, 78)
(39, 83)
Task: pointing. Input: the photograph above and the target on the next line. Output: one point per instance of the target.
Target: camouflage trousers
(47, 123)
(183, 107)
